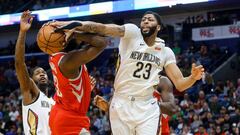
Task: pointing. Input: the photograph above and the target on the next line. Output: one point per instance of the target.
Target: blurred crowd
(210, 107)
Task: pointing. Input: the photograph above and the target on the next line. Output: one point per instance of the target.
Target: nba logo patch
(157, 48)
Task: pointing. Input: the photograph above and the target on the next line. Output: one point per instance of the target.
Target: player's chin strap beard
(43, 87)
(150, 33)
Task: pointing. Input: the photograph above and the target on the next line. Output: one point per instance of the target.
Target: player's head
(164, 84)
(150, 24)
(39, 76)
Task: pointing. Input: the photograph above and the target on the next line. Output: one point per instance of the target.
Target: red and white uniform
(164, 127)
(68, 115)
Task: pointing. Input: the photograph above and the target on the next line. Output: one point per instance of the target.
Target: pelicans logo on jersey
(32, 122)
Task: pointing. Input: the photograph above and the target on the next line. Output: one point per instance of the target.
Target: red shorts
(63, 122)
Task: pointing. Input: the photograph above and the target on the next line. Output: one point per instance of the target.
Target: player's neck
(150, 40)
(43, 88)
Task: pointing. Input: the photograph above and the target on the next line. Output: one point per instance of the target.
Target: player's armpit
(30, 94)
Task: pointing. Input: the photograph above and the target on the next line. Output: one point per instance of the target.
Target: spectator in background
(13, 130)
(10, 75)
(211, 17)
(2, 124)
(186, 102)
(176, 49)
(219, 130)
(38, 5)
(201, 130)
(238, 90)
(186, 130)
(196, 122)
(13, 114)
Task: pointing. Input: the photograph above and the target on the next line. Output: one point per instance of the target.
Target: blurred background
(202, 31)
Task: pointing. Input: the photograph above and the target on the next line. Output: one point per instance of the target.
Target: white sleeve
(128, 41)
(170, 57)
(131, 30)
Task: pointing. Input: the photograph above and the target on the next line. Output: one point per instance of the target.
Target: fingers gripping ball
(49, 41)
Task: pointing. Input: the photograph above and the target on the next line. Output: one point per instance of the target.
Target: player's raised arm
(71, 62)
(26, 83)
(183, 83)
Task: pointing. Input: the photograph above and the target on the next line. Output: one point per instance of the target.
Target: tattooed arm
(102, 29)
(112, 30)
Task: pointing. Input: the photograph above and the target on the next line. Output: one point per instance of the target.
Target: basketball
(49, 41)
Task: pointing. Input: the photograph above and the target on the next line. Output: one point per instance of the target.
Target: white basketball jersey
(140, 64)
(36, 115)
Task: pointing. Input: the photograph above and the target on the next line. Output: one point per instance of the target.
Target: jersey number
(140, 67)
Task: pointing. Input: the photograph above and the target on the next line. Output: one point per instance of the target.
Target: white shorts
(134, 116)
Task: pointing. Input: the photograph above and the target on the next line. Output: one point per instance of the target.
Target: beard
(150, 32)
(43, 87)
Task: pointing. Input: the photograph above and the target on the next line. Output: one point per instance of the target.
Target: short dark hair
(31, 71)
(156, 15)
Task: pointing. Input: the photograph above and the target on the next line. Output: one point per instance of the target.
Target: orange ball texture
(49, 41)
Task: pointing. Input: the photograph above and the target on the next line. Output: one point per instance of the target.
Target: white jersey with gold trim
(36, 116)
(140, 64)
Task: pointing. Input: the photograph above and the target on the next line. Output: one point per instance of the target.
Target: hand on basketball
(101, 103)
(26, 21)
(93, 82)
(197, 72)
(69, 34)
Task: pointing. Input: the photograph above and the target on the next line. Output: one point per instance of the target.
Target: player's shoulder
(130, 25)
(131, 31)
(167, 49)
(54, 58)
(159, 40)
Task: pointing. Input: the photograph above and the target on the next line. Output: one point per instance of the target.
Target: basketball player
(133, 109)
(164, 94)
(34, 87)
(73, 87)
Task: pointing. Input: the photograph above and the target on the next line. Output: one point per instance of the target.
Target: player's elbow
(180, 88)
(101, 41)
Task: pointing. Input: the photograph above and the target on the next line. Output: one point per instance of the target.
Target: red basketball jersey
(71, 94)
(164, 129)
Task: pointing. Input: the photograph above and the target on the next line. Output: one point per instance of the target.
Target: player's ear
(158, 27)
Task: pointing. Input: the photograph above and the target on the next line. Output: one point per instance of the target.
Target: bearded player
(133, 109)
(73, 87)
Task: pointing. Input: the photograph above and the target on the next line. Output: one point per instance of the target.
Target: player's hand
(93, 82)
(26, 21)
(101, 103)
(197, 71)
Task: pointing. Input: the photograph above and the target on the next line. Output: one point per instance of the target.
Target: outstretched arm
(112, 30)
(71, 62)
(182, 83)
(27, 86)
